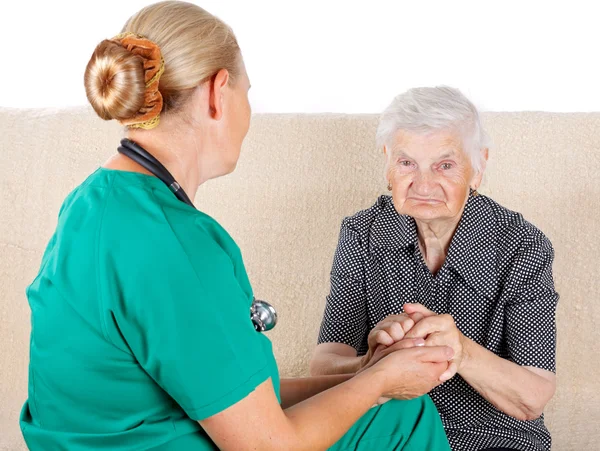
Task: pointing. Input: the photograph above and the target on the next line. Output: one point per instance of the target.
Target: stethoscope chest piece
(263, 315)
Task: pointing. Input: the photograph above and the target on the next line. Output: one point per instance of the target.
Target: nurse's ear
(218, 85)
(207, 99)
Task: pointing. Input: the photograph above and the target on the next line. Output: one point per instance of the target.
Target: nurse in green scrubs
(141, 335)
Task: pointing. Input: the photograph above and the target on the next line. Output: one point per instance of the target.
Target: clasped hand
(414, 340)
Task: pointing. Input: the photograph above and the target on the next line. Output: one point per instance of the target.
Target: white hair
(425, 110)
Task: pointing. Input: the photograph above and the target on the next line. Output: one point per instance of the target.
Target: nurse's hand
(388, 331)
(411, 372)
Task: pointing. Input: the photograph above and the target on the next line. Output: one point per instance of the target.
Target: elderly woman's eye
(405, 163)
(446, 166)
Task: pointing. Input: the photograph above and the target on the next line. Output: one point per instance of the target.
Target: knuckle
(396, 328)
(407, 321)
(386, 325)
(380, 335)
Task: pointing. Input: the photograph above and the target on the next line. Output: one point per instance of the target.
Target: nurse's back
(135, 287)
(86, 388)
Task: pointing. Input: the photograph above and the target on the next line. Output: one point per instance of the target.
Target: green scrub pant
(413, 425)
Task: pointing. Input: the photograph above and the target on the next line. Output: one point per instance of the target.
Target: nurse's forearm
(515, 390)
(319, 421)
(297, 389)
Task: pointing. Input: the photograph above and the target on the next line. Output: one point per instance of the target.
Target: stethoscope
(262, 314)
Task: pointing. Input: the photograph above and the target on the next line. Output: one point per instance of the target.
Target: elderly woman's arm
(521, 385)
(519, 391)
(344, 325)
(335, 358)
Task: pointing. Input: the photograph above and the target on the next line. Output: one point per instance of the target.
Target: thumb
(449, 373)
(418, 308)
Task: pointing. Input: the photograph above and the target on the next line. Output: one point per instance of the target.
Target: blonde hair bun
(194, 45)
(114, 81)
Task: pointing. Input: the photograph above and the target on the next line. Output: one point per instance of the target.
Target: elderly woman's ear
(476, 182)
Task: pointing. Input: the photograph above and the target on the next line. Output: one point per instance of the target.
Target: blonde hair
(194, 44)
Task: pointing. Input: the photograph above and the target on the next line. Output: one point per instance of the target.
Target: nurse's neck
(181, 153)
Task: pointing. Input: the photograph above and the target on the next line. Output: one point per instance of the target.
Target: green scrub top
(140, 323)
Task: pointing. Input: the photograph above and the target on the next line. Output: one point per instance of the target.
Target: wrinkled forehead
(428, 144)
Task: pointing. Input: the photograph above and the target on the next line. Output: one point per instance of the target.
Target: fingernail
(419, 342)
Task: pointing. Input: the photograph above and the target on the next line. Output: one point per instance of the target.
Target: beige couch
(299, 175)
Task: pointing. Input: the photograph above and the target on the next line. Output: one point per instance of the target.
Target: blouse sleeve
(530, 314)
(345, 317)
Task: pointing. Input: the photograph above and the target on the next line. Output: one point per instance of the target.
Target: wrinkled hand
(411, 371)
(437, 330)
(388, 331)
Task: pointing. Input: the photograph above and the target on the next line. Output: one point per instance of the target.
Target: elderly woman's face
(430, 174)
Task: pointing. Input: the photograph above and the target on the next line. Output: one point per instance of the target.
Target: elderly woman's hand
(437, 330)
(388, 331)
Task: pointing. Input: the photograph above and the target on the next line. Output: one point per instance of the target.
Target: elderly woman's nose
(423, 183)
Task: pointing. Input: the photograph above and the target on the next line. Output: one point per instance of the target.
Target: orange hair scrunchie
(154, 65)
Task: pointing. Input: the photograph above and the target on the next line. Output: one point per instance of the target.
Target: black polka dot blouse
(496, 283)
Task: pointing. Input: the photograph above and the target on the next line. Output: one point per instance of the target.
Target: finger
(407, 343)
(403, 319)
(384, 351)
(380, 348)
(416, 317)
(407, 324)
(427, 326)
(380, 337)
(449, 373)
(394, 329)
(390, 318)
(436, 354)
(418, 308)
(380, 352)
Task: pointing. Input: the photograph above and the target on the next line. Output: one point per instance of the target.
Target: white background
(336, 56)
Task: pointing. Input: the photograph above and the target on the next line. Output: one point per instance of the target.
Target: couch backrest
(298, 176)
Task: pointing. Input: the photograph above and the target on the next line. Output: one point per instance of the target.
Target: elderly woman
(439, 261)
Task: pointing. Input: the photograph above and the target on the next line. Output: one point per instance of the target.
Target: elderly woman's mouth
(423, 200)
